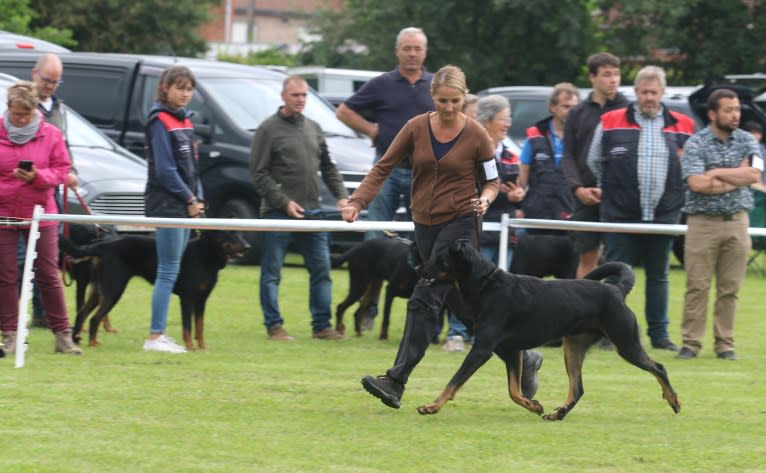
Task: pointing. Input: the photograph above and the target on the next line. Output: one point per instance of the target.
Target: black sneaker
(728, 355)
(385, 388)
(686, 354)
(665, 344)
(532, 363)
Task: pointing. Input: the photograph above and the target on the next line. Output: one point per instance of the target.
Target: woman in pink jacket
(33, 161)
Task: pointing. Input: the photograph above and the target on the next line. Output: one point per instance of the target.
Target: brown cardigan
(443, 189)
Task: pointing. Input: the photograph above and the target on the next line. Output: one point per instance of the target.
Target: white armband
(756, 161)
(489, 169)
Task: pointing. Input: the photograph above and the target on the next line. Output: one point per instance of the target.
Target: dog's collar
(489, 278)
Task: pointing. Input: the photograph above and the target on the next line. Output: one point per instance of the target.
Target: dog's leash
(66, 261)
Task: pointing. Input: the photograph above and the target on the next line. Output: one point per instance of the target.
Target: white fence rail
(266, 225)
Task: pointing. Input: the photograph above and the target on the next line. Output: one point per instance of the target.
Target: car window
(525, 113)
(249, 101)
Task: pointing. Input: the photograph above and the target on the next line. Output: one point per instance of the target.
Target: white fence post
(26, 288)
(502, 255)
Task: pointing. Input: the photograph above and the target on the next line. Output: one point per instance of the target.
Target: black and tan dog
(116, 261)
(370, 263)
(514, 313)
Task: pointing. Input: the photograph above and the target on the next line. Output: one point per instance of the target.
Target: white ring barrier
(295, 225)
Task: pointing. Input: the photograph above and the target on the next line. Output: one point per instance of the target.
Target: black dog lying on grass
(514, 313)
(116, 261)
(369, 264)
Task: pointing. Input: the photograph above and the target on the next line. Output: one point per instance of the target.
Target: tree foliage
(138, 26)
(493, 41)
(693, 39)
(17, 17)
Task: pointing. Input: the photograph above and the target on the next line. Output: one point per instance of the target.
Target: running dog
(116, 261)
(514, 313)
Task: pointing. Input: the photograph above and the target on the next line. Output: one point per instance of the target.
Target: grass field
(251, 405)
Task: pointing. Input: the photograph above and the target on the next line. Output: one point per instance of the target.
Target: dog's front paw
(429, 409)
(534, 406)
(557, 414)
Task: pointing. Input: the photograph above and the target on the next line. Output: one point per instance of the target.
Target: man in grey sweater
(287, 155)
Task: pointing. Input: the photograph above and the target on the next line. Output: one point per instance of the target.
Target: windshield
(82, 133)
(249, 101)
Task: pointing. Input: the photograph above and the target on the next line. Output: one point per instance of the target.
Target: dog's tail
(336, 261)
(625, 278)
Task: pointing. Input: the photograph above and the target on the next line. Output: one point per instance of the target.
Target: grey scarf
(21, 135)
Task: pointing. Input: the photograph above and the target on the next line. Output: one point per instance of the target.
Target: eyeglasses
(47, 81)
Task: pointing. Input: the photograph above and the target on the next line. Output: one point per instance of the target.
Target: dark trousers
(429, 297)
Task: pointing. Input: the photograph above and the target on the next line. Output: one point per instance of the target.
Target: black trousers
(428, 298)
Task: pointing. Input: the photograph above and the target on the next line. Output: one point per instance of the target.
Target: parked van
(116, 91)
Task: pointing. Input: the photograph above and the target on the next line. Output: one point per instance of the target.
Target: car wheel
(238, 208)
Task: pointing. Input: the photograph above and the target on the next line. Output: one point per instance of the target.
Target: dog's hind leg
(513, 367)
(629, 347)
(575, 347)
(356, 290)
(199, 319)
(83, 312)
(187, 310)
(370, 296)
(387, 312)
(472, 362)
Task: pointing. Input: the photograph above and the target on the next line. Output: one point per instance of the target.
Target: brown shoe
(329, 333)
(276, 332)
(9, 342)
(64, 343)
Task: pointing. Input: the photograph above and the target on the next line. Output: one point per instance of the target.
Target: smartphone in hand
(26, 165)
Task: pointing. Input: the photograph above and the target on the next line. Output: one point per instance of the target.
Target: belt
(725, 217)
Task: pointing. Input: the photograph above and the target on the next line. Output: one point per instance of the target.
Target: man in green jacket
(287, 155)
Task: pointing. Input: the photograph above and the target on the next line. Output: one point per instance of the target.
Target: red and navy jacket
(173, 176)
(548, 195)
(620, 200)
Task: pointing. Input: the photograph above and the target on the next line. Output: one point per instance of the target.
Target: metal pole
(502, 254)
(26, 287)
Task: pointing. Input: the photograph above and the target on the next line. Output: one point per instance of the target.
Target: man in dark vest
(636, 158)
(548, 196)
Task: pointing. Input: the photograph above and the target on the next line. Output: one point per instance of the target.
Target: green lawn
(251, 405)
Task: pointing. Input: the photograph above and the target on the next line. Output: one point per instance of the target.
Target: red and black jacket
(620, 201)
(548, 195)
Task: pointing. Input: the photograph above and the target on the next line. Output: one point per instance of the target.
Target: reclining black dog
(369, 264)
(514, 313)
(116, 261)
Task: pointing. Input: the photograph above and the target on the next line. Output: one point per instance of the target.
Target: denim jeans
(653, 251)
(395, 191)
(492, 253)
(315, 248)
(171, 244)
(456, 327)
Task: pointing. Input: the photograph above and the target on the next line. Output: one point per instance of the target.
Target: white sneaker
(454, 343)
(163, 343)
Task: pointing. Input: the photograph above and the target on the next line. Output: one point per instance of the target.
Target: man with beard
(634, 156)
(719, 163)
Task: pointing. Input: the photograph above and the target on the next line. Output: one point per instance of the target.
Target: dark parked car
(115, 92)
(111, 179)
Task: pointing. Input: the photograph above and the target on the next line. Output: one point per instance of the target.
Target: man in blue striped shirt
(635, 156)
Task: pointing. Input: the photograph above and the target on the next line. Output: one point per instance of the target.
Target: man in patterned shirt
(635, 158)
(719, 164)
